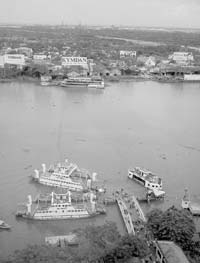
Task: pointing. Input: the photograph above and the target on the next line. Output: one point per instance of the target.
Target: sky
(152, 13)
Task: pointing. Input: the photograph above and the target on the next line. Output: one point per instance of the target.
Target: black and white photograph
(99, 131)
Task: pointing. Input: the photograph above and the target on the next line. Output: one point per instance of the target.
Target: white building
(182, 57)
(12, 59)
(150, 62)
(126, 53)
(40, 57)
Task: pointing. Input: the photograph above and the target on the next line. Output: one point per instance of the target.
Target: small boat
(90, 82)
(60, 207)
(4, 225)
(146, 178)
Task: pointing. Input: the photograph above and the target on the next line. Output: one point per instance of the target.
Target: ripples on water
(147, 124)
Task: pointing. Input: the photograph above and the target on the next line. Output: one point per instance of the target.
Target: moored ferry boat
(64, 176)
(146, 178)
(60, 207)
(75, 81)
(90, 82)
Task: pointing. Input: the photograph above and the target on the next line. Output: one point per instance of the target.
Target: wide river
(148, 124)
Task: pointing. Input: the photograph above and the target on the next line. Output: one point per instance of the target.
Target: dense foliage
(128, 247)
(175, 225)
(96, 244)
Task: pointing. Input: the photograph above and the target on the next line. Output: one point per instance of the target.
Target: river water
(148, 124)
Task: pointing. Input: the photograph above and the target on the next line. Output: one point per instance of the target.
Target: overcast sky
(160, 13)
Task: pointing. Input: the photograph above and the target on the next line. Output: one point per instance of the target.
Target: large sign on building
(14, 59)
(74, 61)
(126, 53)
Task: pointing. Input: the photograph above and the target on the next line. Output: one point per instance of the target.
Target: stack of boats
(66, 205)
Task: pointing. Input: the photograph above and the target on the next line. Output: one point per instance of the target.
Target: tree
(173, 224)
(34, 254)
(128, 247)
(94, 242)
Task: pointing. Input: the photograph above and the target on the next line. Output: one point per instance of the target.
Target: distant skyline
(138, 13)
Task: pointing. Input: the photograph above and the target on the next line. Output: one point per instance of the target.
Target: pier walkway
(131, 213)
(138, 209)
(126, 216)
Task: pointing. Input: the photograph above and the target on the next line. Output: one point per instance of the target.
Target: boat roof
(172, 252)
(194, 207)
(146, 173)
(144, 170)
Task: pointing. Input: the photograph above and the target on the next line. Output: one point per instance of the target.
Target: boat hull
(5, 227)
(64, 217)
(71, 85)
(136, 178)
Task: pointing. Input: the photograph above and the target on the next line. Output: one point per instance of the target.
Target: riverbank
(111, 79)
(20, 79)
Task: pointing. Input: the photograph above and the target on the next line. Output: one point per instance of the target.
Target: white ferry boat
(61, 176)
(90, 82)
(146, 178)
(75, 81)
(60, 207)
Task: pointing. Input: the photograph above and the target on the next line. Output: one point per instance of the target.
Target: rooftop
(172, 252)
